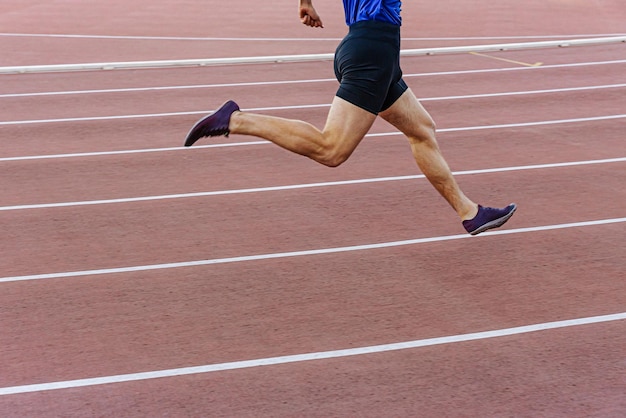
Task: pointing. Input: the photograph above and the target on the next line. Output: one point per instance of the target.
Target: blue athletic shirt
(380, 10)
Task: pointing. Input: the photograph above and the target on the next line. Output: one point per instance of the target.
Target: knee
(333, 156)
(424, 134)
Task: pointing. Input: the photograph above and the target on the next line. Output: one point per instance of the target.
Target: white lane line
(287, 82)
(316, 356)
(523, 93)
(540, 123)
(195, 112)
(151, 115)
(165, 88)
(132, 151)
(263, 142)
(300, 186)
(290, 254)
(206, 86)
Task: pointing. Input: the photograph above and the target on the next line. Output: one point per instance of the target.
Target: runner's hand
(308, 15)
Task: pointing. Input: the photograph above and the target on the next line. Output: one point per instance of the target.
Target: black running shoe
(488, 218)
(215, 124)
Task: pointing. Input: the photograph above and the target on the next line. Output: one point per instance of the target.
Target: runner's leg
(410, 117)
(346, 126)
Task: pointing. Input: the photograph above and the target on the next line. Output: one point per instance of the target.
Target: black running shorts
(367, 66)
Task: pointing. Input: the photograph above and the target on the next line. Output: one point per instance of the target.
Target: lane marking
(537, 64)
(287, 82)
(540, 123)
(263, 142)
(135, 151)
(291, 254)
(316, 356)
(320, 80)
(300, 186)
(299, 58)
(172, 114)
(151, 115)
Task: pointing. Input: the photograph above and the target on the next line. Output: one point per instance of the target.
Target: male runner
(367, 66)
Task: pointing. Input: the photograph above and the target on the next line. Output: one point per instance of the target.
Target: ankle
(234, 123)
(469, 212)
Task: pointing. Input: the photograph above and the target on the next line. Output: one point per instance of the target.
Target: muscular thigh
(346, 125)
(409, 116)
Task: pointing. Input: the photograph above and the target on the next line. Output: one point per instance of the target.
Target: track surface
(123, 253)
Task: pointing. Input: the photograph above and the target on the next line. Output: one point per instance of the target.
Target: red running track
(99, 284)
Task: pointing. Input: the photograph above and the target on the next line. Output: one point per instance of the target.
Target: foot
(215, 124)
(488, 218)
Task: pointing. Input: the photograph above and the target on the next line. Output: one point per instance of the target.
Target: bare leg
(345, 127)
(410, 117)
